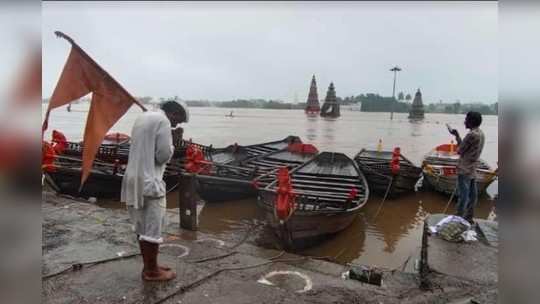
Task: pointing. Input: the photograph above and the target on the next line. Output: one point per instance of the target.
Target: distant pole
(395, 70)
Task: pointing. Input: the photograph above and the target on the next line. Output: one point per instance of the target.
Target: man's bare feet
(160, 275)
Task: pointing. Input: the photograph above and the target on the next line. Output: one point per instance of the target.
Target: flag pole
(84, 54)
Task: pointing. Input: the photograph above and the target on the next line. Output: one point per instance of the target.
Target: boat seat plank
(323, 177)
(326, 185)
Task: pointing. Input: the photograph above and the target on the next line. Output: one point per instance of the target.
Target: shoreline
(75, 231)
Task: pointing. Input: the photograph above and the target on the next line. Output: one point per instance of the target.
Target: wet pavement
(210, 269)
(474, 261)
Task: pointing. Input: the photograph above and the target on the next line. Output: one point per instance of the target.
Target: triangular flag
(110, 101)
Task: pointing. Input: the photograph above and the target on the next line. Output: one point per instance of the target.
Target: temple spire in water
(312, 106)
(417, 109)
(331, 105)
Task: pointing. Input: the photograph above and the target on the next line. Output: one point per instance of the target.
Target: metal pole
(393, 96)
(395, 70)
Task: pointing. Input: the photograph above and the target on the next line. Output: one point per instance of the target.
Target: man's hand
(177, 135)
(454, 132)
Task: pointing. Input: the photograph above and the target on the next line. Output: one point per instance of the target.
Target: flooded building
(312, 106)
(417, 109)
(330, 107)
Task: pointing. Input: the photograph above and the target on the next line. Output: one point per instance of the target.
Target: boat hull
(67, 181)
(212, 191)
(376, 168)
(439, 169)
(329, 192)
(447, 183)
(233, 182)
(400, 184)
(305, 229)
(99, 185)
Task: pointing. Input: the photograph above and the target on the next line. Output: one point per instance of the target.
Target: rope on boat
(450, 200)
(385, 195)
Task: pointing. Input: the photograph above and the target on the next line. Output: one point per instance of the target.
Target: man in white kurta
(143, 188)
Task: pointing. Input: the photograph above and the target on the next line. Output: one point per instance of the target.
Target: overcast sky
(223, 51)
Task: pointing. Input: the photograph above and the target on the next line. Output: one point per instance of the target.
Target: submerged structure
(330, 107)
(312, 106)
(417, 110)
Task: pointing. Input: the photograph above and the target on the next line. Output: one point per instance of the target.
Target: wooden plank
(328, 184)
(323, 177)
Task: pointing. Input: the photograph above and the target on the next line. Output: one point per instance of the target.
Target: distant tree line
(459, 108)
(370, 102)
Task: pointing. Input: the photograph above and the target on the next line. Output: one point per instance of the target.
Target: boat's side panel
(447, 184)
(97, 185)
(304, 229)
(213, 191)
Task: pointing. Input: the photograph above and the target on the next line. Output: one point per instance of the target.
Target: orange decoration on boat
(285, 196)
(394, 163)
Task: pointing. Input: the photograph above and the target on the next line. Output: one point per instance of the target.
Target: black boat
(329, 192)
(104, 181)
(119, 152)
(105, 178)
(240, 170)
(376, 166)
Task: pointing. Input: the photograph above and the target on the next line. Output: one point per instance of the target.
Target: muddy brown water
(387, 240)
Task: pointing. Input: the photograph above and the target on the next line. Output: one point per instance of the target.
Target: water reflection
(416, 128)
(311, 125)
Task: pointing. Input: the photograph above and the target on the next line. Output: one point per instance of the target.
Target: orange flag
(80, 76)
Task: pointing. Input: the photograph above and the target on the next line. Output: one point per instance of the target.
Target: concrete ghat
(76, 232)
(475, 262)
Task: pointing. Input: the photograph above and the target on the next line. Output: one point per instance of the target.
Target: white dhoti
(150, 220)
(143, 189)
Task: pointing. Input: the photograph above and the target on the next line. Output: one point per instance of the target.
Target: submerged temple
(312, 106)
(417, 109)
(330, 107)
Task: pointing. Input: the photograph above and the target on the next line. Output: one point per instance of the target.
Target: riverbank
(99, 242)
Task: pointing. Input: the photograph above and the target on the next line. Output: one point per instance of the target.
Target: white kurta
(150, 150)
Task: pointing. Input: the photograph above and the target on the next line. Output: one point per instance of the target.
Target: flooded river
(387, 240)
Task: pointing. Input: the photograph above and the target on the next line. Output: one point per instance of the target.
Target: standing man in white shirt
(143, 188)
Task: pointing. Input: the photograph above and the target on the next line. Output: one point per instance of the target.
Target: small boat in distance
(230, 114)
(314, 201)
(377, 167)
(439, 168)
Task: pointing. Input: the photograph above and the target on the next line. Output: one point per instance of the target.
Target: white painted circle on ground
(219, 242)
(184, 248)
(308, 283)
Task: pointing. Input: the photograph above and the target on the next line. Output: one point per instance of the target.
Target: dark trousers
(467, 196)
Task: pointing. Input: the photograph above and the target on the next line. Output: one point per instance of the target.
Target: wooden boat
(376, 166)
(236, 176)
(329, 191)
(119, 152)
(439, 168)
(106, 176)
